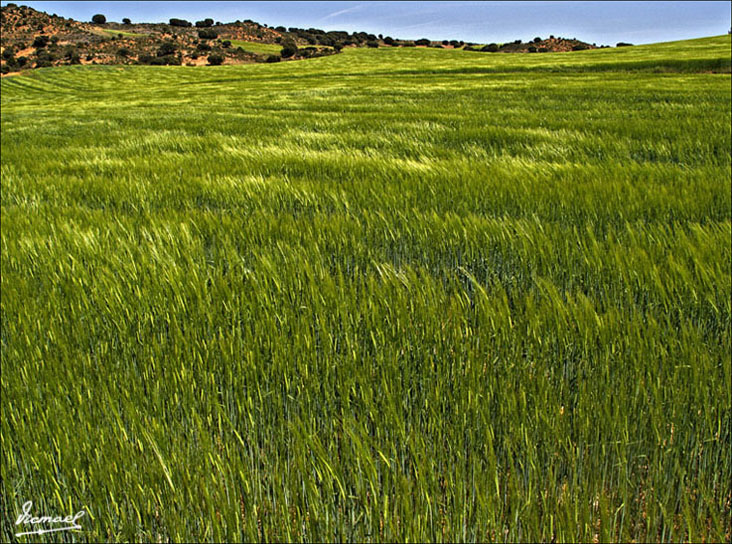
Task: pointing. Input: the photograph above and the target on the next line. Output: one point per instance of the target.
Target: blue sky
(482, 22)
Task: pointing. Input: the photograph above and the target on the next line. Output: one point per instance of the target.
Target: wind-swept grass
(385, 295)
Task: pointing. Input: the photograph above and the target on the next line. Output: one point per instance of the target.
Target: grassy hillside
(414, 294)
(256, 47)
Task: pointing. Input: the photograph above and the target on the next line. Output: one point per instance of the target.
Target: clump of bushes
(40, 42)
(205, 23)
(422, 41)
(273, 58)
(373, 44)
(289, 50)
(45, 59)
(623, 44)
(208, 34)
(166, 49)
(165, 60)
(490, 48)
(215, 60)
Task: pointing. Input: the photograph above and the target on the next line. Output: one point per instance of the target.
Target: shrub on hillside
(203, 47)
(532, 49)
(215, 60)
(537, 40)
(623, 44)
(289, 50)
(166, 60)
(123, 52)
(307, 52)
(40, 42)
(273, 58)
(422, 41)
(490, 48)
(226, 44)
(167, 48)
(208, 34)
(372, 44)
(205, 23)
(579, 47)
(45, 59)
(8, 53)
(99, 19)
(543, 50)
(126, 21)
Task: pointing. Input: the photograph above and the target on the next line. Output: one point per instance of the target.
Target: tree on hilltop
(99, 19)
(179, 22)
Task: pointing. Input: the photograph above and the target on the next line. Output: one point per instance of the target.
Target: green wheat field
(391, 294)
